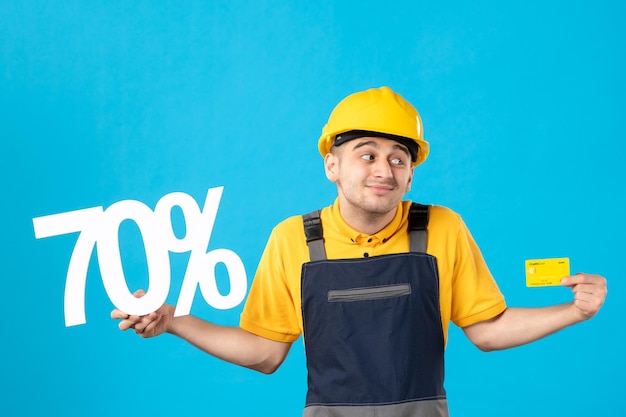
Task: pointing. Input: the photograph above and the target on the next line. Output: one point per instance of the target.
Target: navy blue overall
(372, 330)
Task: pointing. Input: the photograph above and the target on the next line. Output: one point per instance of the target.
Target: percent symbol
(98, 227)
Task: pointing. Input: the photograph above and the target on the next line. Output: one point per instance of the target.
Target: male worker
(372, 281)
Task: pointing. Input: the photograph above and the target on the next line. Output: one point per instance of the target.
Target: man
(372, 281)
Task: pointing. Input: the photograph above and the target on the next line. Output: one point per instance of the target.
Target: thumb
(139, 293)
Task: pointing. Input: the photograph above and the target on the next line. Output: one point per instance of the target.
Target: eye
(397, 161)
(367, 157)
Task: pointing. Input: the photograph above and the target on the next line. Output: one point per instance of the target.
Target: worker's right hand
(150, 325)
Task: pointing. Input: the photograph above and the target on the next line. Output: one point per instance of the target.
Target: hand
(589, 293)
(150, 325)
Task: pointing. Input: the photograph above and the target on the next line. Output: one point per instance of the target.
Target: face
(372, 175)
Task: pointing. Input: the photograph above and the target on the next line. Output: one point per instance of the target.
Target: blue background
(522, 102)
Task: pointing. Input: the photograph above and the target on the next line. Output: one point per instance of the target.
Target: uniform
(459, 288)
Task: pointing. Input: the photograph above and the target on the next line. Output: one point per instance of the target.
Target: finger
(118, 314)
(588, 304)
(590, 293)
(139, 293)
(130, 322)
(140, 326)
(581, 278)
(126, 324)
(587, 289)
(596, 287)
(152, 325)
(144, 321)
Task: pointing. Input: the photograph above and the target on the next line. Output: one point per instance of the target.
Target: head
(371, 143)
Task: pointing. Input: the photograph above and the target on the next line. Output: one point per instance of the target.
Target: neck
(366, 222)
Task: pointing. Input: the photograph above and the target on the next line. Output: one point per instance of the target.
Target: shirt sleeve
(270, 310)
(475, 294)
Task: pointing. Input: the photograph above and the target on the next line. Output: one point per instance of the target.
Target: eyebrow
(375, 145)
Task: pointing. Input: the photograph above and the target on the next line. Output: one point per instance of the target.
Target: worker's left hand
(589, 293)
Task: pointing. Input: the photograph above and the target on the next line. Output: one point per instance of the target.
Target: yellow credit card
(545, 272)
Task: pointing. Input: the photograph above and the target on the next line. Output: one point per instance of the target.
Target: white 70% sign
(100, 228)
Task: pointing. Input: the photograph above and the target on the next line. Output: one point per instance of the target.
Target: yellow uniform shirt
(468, 292)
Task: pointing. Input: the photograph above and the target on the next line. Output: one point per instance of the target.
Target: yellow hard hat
(378, 112)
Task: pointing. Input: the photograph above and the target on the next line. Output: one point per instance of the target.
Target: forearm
(231, 344)
(519, 326)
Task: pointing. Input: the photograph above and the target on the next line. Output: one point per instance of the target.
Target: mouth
(380, 189)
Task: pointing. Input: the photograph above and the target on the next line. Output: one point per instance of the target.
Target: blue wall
(100, 102)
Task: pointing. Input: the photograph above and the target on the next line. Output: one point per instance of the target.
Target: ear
(331, 167)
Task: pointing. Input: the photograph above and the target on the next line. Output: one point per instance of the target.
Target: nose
(382, 169)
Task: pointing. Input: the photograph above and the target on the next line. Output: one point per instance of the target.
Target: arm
(231, 344)
(518, 326)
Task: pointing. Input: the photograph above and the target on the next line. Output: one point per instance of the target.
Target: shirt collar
(355, 236)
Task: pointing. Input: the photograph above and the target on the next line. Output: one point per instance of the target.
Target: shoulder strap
(418, 224)
(314, 235)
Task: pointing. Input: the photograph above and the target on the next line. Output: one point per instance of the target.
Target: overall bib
(372, 330)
